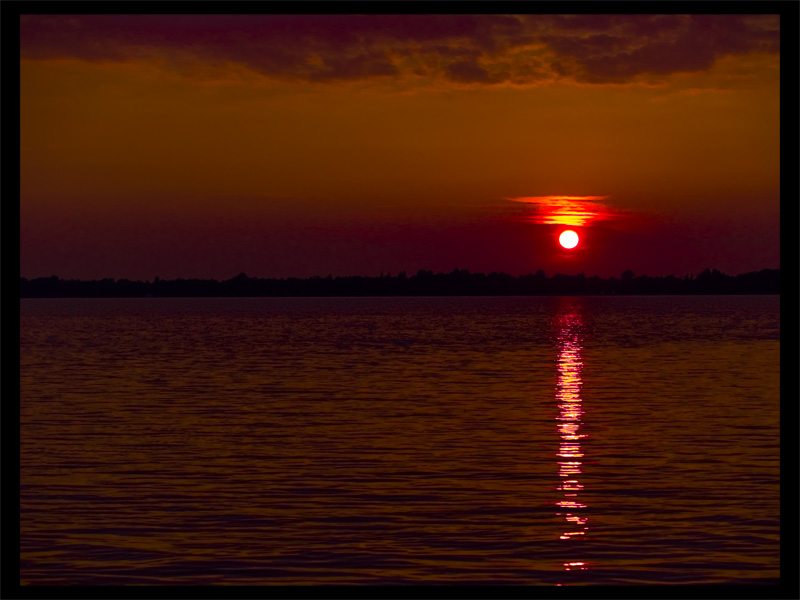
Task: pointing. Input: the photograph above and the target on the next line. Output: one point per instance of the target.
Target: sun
(568, 239)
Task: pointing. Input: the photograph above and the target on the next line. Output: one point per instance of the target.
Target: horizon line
(424, 272)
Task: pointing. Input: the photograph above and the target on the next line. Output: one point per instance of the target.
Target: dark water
(595, 440)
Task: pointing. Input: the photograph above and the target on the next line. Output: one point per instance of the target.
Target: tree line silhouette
(459, 282)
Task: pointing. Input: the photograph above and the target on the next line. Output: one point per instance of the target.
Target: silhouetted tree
(457, 282)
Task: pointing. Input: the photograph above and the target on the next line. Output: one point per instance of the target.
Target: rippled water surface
(593, 440)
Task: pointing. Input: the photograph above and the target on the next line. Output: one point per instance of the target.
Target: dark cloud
(655, 45)
(691, 54)
(470, 49)
(583, 48)
(581, 22)
(467, 72)
(448, 51)
(356, 67)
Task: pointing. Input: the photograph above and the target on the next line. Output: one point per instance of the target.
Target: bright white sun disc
(568, 239)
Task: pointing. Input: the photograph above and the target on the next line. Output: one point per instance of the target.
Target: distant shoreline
(392, 296)
(459, 282)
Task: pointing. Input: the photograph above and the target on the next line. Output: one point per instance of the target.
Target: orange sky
(203, 146)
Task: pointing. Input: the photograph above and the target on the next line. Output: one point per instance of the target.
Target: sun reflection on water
(569, 323)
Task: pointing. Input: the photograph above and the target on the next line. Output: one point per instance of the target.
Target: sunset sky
(201, 146)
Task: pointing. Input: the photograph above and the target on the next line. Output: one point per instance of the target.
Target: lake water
(483, 440)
